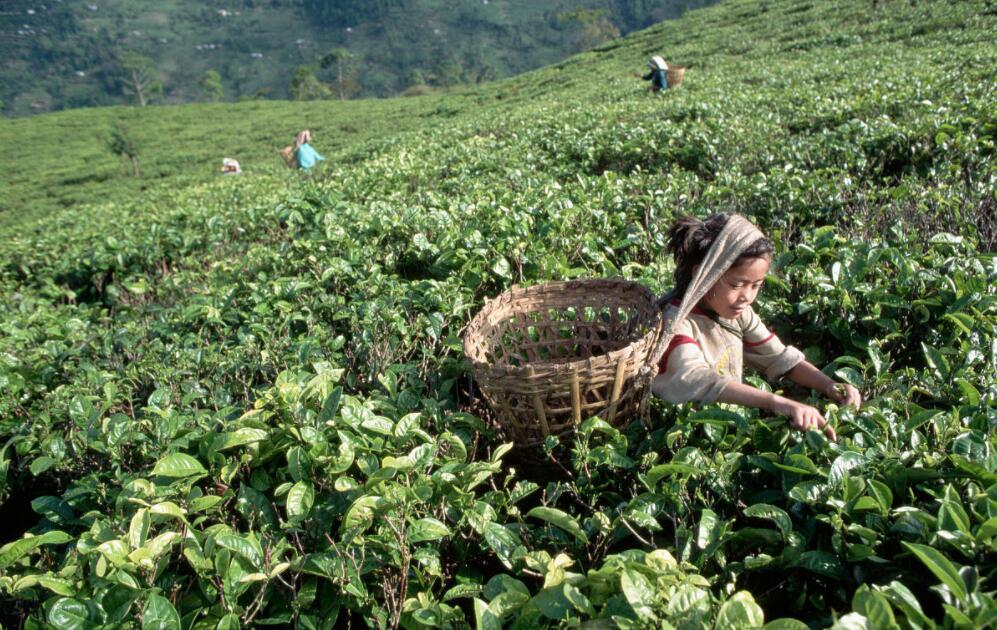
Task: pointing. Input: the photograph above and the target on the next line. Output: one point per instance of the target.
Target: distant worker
(230, 166)
(658, 76)
(306, 156)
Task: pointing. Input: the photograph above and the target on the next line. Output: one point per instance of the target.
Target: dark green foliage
(65, 54)
(305, 87)
(211, 85)
(342, 13)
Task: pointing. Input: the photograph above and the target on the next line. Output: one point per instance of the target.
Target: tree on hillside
(121, 143)
(306, 87)
(211, 86)
(415, 77)
(139, 77)
(449, 72)
(343, 61)
(593, 25)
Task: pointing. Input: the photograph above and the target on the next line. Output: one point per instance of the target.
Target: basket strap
(734, 238)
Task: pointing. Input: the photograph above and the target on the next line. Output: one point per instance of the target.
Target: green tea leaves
(13, 551)
(159, 614)
(300, 499)
(178, 465)
(560, 519)
(940, 566)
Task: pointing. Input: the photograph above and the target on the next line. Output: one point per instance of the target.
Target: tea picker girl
(304, 153)
(721, 264)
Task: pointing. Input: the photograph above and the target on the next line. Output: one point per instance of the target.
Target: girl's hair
(689, 239)
(302, 138)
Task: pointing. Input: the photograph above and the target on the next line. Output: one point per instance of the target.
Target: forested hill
(61, 54)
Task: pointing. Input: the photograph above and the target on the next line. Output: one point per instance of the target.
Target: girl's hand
(804, 417)
(845, 394)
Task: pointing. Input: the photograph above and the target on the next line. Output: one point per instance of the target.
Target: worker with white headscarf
(658, 76)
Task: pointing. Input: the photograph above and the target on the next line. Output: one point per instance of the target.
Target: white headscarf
(735, 237)
(302, 138)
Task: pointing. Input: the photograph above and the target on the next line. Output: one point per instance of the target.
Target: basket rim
(552, 368)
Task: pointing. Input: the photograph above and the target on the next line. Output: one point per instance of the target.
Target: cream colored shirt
(708, 352)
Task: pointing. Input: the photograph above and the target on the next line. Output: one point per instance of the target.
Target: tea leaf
(561, 520)
(69, 613)
(772, 513)
(502, 541)
(178, 465)
(159, 614)
(740, 611)
(11, 552)
(940, 566)
(426, 529)
(299, 502)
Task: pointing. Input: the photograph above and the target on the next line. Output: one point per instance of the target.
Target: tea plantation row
(244, 403)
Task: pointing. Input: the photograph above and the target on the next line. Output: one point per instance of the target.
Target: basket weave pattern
(287, 154)
(675, 74)
(546, 357)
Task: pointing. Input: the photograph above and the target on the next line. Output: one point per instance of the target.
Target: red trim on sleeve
(752, 344)
(677, 341)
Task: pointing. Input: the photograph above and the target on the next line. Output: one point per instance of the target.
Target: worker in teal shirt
(306, 156)
(658, 76)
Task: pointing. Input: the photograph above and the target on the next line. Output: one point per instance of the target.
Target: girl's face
(738, 288)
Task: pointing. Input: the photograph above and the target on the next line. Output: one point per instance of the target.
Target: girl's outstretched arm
(801, 417)
(807, 375)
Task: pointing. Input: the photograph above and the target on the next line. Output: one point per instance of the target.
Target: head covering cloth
(302, 138)
(738, 235)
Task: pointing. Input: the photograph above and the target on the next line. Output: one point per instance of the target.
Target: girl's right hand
(804, 417)
(845, 394)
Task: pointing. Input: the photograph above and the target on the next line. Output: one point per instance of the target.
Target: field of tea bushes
(243, 402)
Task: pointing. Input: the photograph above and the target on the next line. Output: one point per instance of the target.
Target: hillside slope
(748, 53)
(68, 54)
(244, 402)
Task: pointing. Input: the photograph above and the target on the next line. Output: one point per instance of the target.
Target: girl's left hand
(845, 394)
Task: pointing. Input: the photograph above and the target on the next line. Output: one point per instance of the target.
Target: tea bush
(244, 402)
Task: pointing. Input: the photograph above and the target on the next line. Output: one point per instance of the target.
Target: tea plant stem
(640, 538)
(255, 608)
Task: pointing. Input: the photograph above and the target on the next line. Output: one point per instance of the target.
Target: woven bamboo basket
(287, 154)
(675, 74)
(547, 357)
